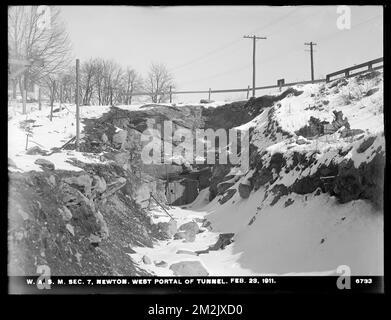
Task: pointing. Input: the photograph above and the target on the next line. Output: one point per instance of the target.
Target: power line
(233, 42)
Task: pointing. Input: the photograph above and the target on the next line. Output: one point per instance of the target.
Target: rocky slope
(311, 200)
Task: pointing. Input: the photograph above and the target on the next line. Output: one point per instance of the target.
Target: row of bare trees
(105, 82)
(102, 82)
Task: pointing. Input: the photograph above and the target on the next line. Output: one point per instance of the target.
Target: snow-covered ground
(315, 234)
(47, 134)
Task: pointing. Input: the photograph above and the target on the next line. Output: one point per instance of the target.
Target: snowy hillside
(311, 200)
(308, 205)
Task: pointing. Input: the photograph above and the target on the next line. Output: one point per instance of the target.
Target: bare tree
(132, 81)
(88, 71)
(158, 82)
(28, 40)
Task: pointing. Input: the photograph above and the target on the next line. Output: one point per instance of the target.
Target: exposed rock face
(219, 173)
(189, 268)
(76, 223)
(279, 190)
(364, 182)
(261, 177)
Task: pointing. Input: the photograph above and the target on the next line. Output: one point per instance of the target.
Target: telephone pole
(255, 38)
(77, 106)
(311, 44)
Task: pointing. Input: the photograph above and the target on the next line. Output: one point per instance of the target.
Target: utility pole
(77, 106)
(255, 38)
(311, 44)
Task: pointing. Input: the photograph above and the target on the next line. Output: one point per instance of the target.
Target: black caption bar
(201, 285)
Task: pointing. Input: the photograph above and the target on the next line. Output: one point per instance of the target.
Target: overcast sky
(204, 47)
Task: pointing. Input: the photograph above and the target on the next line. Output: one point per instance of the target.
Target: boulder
(223, 240)
(146, 259)
(45, 164)
(35, 150)
(189, 269)
(82, 181)
(161, 264)
(99, 184)
(206, 101)
(188, 236)
(245, 190)
(187, 252)
(168, 228)
(190, 227)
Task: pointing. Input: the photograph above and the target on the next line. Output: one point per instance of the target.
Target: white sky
(204, 46)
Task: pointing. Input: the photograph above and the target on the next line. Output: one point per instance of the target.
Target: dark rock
(279, 190)
(371, 92)
(223, 186)
(224, 240)
(364, 182)
(245, 190)
(45, 164)
(35, 150)
(146, 260)
(206, 101)
(228, 195)
(366, 144)
(161, 264)
(288, 202)
(350, 133)
(261, 177)
(187, 252)
(306, 185)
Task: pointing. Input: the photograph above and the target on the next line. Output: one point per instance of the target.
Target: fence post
(39, 99)
(24, 95)
(170, 94)
(347, 73)
(77, 105)
(248, 91)
(209, 94)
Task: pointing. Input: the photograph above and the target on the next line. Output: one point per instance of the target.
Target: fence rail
(347, 71)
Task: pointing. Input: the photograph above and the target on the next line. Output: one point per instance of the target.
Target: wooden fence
(369, 65)
(347, 72)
